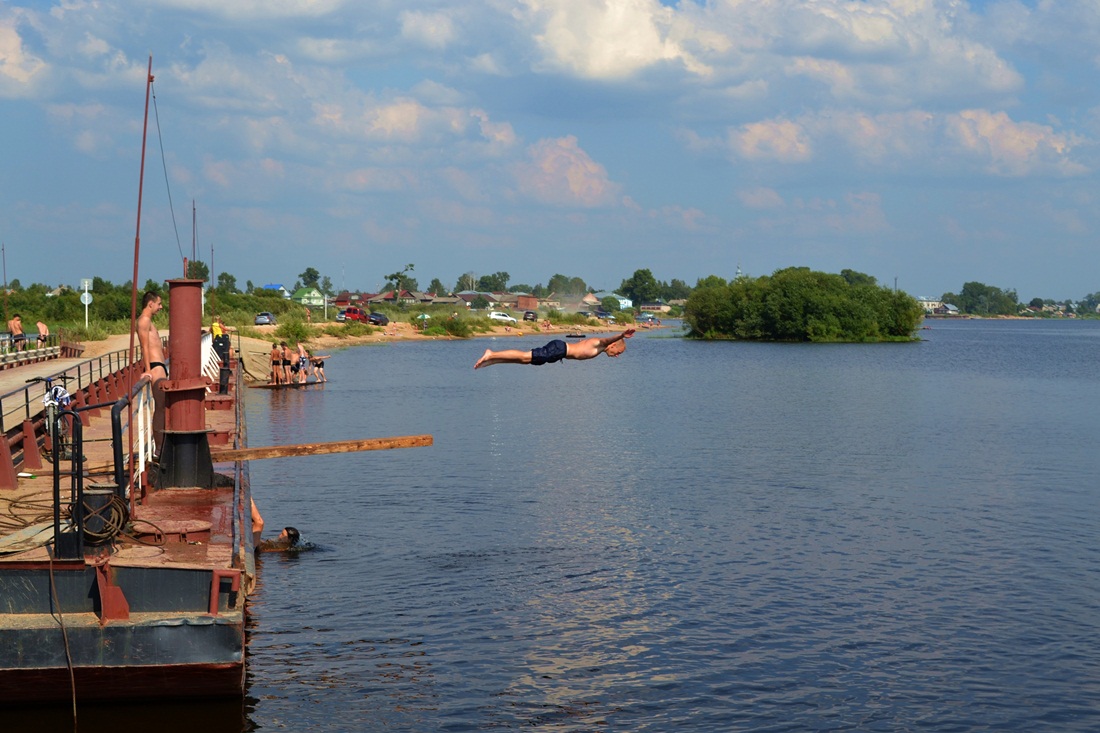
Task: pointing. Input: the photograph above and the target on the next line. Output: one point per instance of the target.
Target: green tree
(310, 278)
(401, 280)
(610, 304)
(198, 270)
(326, 285)
(436, 287)
(980, 299)
(563, 285)
(857, 278)
(1036, 303)
(641, 287)
(495, 283)
(676, 290)
(466, 281)
(226, 283)
(710, 281)
(480, 302)
(798, 304)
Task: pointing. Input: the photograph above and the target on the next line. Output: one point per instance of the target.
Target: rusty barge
(126, 563)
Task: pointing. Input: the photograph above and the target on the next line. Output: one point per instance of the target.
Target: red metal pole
(134, 282)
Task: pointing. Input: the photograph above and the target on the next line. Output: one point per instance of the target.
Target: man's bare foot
(486, 355)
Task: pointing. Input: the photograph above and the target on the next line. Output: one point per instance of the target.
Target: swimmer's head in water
(291, 535)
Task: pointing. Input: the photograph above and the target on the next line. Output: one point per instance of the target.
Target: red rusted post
(185, 456)
(31, 457)
(8, 479)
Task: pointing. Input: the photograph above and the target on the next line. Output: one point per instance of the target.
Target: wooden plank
(317, 449)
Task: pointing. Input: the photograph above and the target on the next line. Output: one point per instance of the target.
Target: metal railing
(20, 405)
(144, 442)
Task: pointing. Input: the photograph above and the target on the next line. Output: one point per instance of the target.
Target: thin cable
(164, 164)
(65, 637)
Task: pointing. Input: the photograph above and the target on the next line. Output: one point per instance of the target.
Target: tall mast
(134, 281)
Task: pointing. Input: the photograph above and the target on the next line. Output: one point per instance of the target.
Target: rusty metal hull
(131, 683)
(158, 614)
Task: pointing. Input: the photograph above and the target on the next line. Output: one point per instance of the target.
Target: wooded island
(799, 304)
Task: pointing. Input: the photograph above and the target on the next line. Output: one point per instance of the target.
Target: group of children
(289, 367)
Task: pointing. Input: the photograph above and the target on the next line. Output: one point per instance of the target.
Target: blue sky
(932, 141)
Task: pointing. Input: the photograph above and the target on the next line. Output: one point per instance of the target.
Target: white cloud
(89, 125)
(255, 9)
(398, 120)
(19, 68)
(435, 30)
(781, 140)
(607, 39)
(917, 140)
(560, 172)
(93, 46)
(336, 50)
(1012, 148)
(379, 179)
(760, 198)
(687, 218)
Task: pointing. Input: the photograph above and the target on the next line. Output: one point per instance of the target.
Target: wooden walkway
(15, 377)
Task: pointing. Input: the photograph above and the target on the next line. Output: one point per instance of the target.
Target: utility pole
(4, 256)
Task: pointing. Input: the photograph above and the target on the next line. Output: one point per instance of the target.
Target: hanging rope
(164, 165)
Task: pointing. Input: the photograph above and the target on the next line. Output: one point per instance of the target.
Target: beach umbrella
(423, 317)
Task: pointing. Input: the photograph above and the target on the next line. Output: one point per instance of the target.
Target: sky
(928, 143)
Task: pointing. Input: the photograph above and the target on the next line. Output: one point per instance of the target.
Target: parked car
(503, 317)
(341, 316)
(530, 316)
(605, 316)
(379, 319)
(355, 314)
(586, 314)
(265, 319)
(646, 317)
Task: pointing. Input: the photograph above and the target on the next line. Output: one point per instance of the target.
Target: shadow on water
(220, 716)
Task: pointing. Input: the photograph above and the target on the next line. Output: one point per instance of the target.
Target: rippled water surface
(695, 536)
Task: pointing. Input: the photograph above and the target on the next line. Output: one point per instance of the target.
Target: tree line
(641, 287)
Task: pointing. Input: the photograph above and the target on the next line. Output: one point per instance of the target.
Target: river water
(694, 536)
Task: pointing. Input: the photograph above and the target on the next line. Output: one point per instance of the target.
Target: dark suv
(379, 319)
(530, 316)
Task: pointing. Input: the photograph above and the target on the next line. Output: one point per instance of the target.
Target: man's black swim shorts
(553, 351)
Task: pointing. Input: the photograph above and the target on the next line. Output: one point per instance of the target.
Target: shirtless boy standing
(152, 351)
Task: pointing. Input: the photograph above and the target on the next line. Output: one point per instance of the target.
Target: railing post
(8, 479)
(31, 457)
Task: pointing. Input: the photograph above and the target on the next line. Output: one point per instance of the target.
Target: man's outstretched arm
(608, 340)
